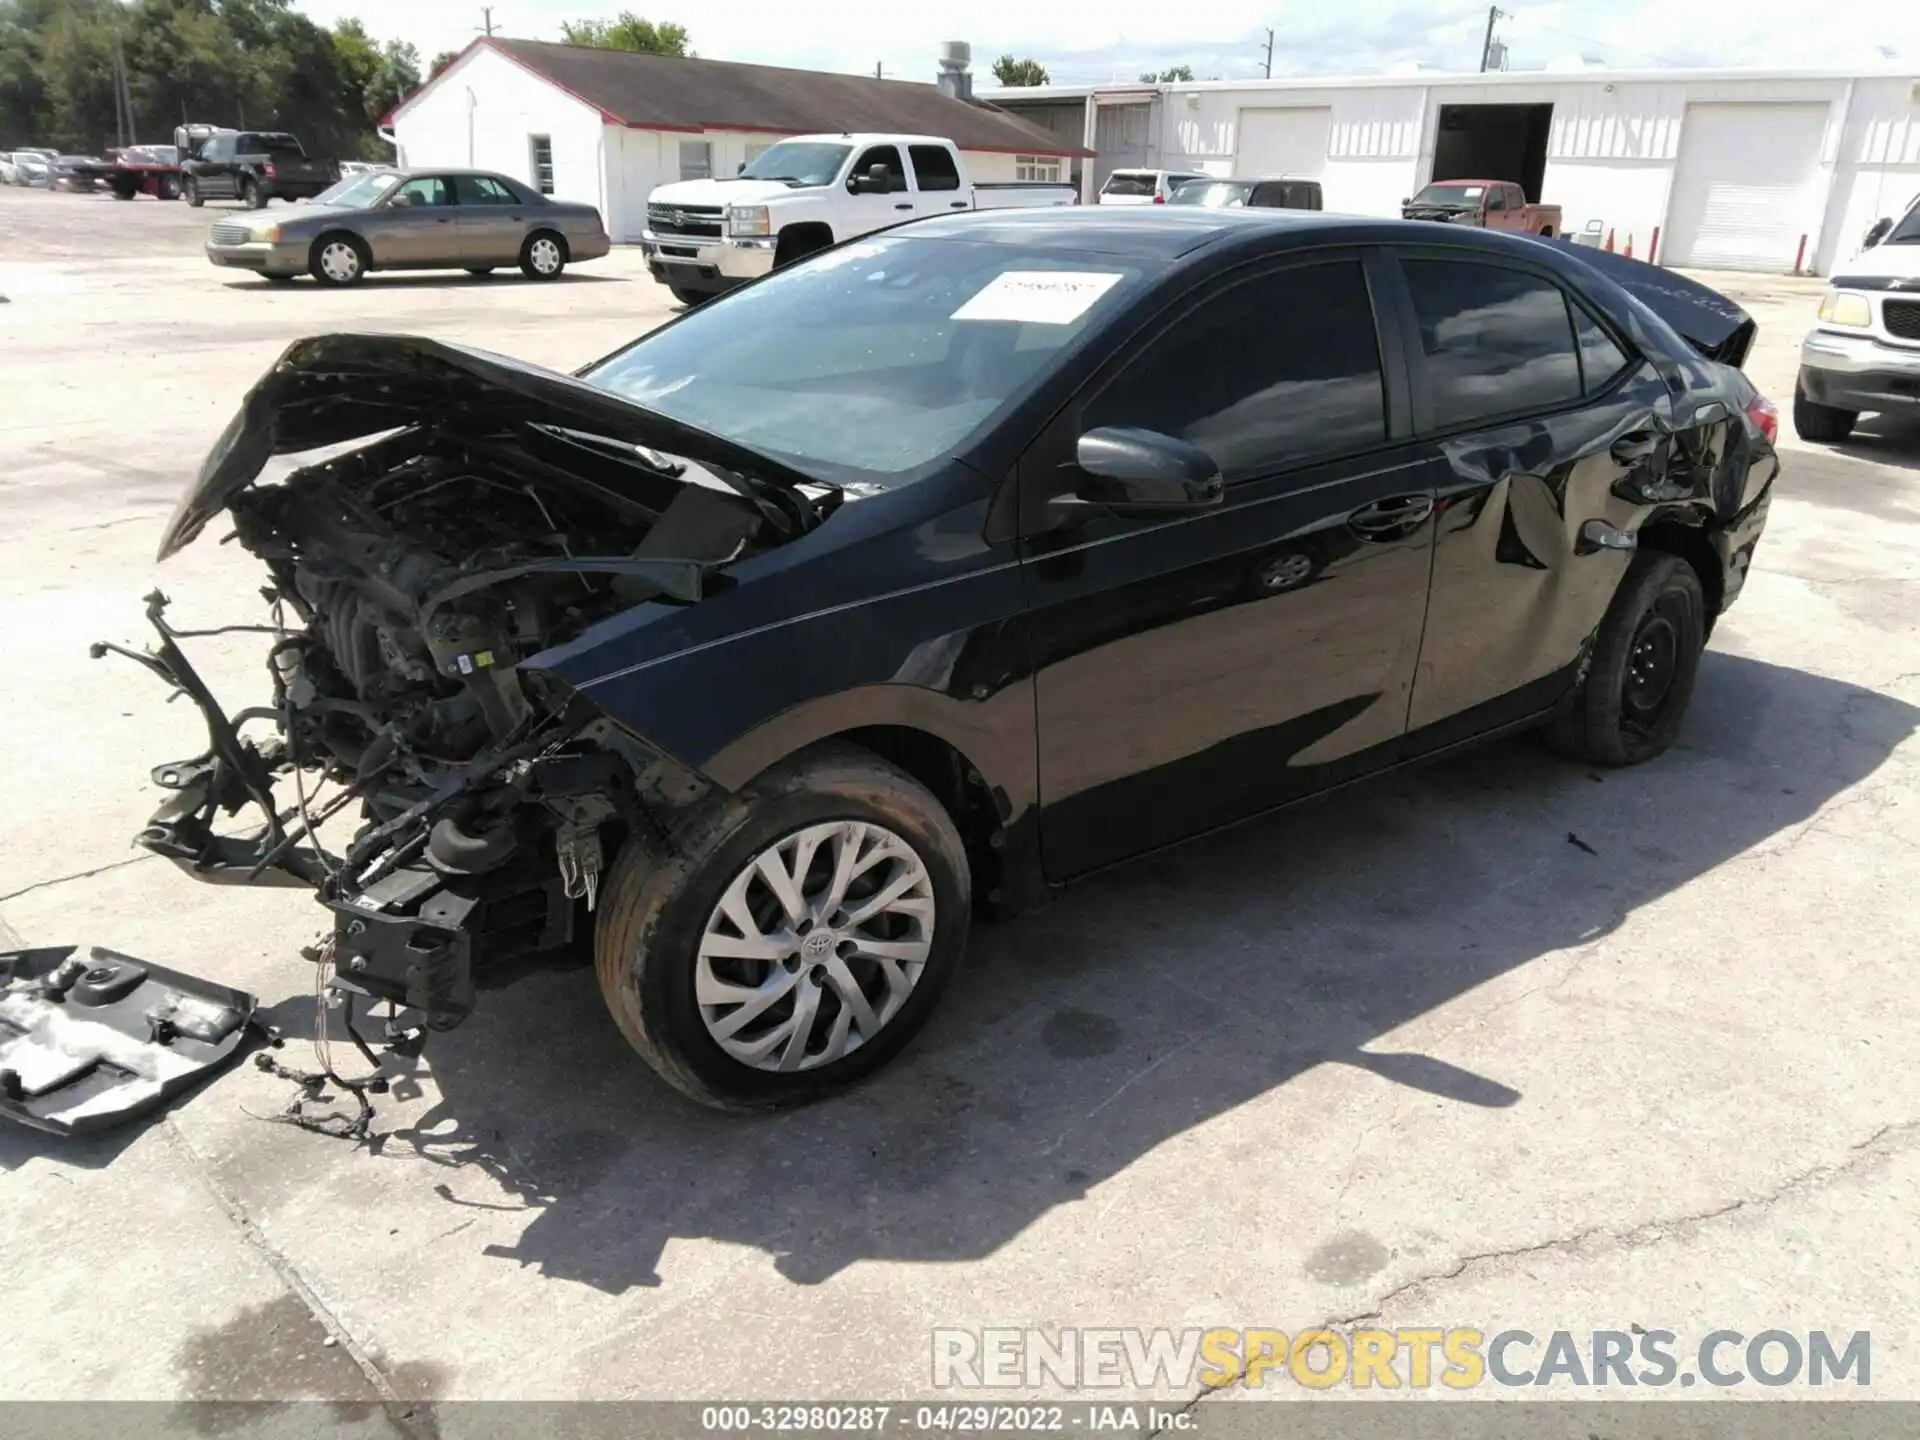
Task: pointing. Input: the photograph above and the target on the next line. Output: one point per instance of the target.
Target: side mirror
(874, 181)
(1878, 232)
(1142, 472)
(741, 168)
(400, 202)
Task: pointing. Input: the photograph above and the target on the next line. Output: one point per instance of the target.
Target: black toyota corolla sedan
(949, 565)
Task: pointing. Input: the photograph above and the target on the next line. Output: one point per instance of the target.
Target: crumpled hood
(329, 389)
(718, 192)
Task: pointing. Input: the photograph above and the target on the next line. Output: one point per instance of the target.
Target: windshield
(1450, 195)
(799, 162)
(1907, 232)
(874, 359)
(1129, 182)
(357, 192)
(1214, 194)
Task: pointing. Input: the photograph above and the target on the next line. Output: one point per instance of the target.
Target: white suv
(1144, 187)
(1864, 353)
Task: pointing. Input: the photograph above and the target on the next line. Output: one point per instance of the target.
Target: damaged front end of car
(415, 584)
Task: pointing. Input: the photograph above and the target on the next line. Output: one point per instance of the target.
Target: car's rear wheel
(543, 256)
(338, 260)
(251, 195)
(169, 188)
(687, 297)
(190, 188)
(1822, 424)
(1641, 674)
(789, 939)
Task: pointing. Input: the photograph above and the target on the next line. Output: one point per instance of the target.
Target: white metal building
(607, 126)
(1727, 169)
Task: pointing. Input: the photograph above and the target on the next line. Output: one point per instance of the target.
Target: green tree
(1178, 72)
(441, 62)
(629, 32)
(1009, 71)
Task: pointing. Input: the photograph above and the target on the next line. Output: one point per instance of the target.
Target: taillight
(1158, 198)
(1765, 416)
(267, 170)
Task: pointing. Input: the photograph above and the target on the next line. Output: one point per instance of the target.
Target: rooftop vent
(954, 79)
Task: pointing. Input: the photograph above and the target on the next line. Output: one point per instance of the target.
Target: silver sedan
(472, 220)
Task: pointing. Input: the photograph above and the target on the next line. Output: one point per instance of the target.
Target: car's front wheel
(338, 260)
(1822, 424)
(686, 297)
(789, 939)
(544, 256)
(190, 188)
(1644, 663)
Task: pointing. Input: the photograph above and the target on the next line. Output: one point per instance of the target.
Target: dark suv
(252, 166)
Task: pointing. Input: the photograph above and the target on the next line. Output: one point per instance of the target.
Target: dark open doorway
(1493, 142)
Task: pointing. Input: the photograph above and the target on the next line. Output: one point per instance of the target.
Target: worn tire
(1599, 722)
(319, 249)
(656, 906)
(530, 261)
(190, 192)
(1822, 424)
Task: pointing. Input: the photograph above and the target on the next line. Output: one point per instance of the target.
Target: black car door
(1194, 670)
(214, 175)
(1536, 412)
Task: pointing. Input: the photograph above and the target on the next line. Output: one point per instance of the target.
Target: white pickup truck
(804, 194)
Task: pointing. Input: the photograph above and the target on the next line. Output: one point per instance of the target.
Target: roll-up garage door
(1291, 141)
(1745, 189)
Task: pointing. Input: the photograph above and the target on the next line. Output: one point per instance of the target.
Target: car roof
(1261, 179)
(1166, 232)
(1463, 180)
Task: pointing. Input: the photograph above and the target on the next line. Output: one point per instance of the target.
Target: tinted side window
(482, 190)
(427, 190)
(1497, 342)
(1600, 358)
(1267, 374)
(933, 166)
(889, 156)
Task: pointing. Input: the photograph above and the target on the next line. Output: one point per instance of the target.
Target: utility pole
(1269, 63)
(877, 74)
(486, 14)
(1494, 12)
(122, 96)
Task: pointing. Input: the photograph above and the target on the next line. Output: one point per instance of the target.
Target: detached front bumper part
(89, 1041)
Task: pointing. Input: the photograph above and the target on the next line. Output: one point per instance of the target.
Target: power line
(1494, 12)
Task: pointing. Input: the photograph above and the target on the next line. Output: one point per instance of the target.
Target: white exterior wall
(483, 112)
(1612, 153)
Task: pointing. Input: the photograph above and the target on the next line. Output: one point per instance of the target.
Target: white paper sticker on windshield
(1474, 192)
(1039, 297)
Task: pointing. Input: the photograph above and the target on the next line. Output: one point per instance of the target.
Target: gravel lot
(1408, 1053)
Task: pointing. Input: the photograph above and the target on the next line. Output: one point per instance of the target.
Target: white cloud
(1082, 40)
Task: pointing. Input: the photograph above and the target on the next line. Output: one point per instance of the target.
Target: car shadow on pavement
(391, 280)
(1141, 1004)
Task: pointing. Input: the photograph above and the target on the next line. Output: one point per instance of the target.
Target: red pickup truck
(1490, 204)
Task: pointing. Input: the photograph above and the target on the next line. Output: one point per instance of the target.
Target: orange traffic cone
(1628, 252)
(1609, 238)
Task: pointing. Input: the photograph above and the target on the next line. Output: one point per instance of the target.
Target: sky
(1102, 40)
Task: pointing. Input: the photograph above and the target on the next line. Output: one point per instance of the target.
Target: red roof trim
(727, 126)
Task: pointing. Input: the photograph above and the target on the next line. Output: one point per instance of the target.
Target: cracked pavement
(1406, 1054)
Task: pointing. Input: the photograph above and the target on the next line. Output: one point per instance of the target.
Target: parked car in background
(1863, 354)
(935, 571)
(8, 175)
(251, 166)
(1274, 193)
(1144, 187)
(704, 237)
(33, 166)
(77, 172)
(144, 170)
(350, 168)
(470, 220)
(1491, 204)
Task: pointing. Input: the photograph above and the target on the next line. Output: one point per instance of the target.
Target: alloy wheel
(815, 946)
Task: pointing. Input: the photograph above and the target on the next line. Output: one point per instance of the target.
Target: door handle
(958, 205)
(903, 207)
(1389, 519)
